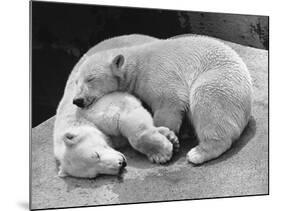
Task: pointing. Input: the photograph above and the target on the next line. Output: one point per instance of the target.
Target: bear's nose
(123, 164)
(79, 102)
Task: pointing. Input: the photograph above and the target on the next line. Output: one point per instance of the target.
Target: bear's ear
(70, 139)
(117, 64)
(118, 61)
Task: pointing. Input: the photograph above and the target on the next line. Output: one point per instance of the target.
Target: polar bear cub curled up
(196, 76)
(83, 149)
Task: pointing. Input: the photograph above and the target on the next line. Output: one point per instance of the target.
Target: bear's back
(106, 112)
(184, 59)
(116, 102)
(196, 49)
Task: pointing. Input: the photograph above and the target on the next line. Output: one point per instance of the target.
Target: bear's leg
(208, 150)
(219, 115)
(156, 143)
(168, 117)
(216, 128)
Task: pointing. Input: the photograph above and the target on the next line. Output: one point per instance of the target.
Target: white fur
(115, 114)
(80, 143)
(196, 75)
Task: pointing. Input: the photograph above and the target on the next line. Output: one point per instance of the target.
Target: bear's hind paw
(159, 158)
(171, 136)
(196, 155)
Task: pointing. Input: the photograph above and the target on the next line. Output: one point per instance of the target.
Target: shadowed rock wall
(62, 33)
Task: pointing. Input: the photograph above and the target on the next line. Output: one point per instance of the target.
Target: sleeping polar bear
(197, 76)
(81, 136)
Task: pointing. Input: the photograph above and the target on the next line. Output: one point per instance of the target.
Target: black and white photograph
(134, 105)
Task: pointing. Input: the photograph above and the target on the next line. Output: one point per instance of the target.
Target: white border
(15, 103)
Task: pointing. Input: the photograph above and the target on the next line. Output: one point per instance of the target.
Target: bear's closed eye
(90, 79)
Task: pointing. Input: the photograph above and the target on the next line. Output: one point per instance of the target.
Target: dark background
(62, 33)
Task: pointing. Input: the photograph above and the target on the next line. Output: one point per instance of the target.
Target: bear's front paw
(162, 155)
(171, 136)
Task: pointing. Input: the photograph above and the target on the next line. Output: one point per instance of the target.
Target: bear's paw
(171, 136)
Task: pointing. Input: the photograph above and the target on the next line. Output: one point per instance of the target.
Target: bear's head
(100, 74)
(87, 154)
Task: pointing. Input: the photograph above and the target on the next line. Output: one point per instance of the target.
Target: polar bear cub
(83, 149)
(121, 114)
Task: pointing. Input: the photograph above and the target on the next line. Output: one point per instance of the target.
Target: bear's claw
(160, 158)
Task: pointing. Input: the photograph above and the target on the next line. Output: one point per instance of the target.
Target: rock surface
(243, 170)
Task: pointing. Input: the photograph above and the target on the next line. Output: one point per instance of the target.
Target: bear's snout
(80, 102)
(122, 165)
